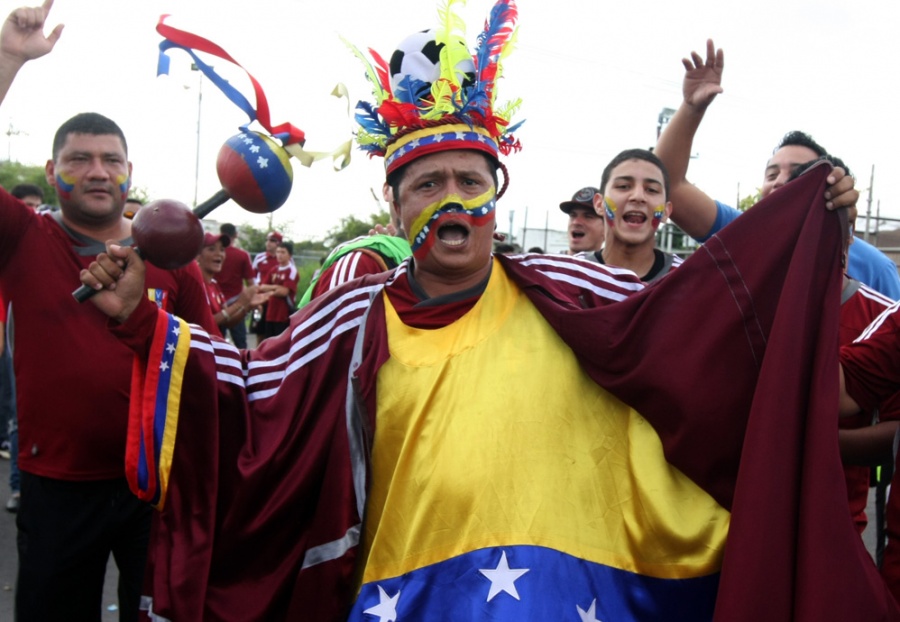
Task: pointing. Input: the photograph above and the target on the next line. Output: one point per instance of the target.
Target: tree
(750, 200)
(352, 227)
(14, 173)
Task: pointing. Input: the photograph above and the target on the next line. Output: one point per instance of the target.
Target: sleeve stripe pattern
(603, 281)
(877, 322)
(309, 340)
(157, 387)
(870, 293)
(344, 269)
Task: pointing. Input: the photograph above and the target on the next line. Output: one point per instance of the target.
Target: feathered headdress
(436, 96)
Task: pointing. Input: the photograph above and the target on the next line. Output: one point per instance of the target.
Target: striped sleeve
(872, 362)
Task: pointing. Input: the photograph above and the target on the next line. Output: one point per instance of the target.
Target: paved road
(8, 558)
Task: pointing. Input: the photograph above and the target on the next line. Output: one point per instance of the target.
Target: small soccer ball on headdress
(418, 57)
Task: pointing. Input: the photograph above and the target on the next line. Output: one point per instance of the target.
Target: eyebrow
(632, 179)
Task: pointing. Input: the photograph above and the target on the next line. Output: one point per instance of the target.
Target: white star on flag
(176, 330)
(263, 162)
(254, 149)
(164, 366)
(590, 615)
(503, 579)
(386, 609)
(248, 140)
(438, 138)
(170, 348)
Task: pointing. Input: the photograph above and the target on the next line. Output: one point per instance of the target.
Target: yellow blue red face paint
(64, 185)
(477, 211)
(658, 213)
(124, 183)
(610, 208)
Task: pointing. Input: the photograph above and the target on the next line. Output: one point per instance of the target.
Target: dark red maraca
(168, 234)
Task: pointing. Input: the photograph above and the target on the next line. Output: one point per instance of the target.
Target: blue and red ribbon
(191, 43)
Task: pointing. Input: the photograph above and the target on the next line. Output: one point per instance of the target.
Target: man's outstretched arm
(22, 39)
(693, 210)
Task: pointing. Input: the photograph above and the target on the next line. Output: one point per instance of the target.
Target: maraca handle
(85, 293)
(211, 203)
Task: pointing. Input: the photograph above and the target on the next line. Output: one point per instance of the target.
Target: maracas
(254, 171)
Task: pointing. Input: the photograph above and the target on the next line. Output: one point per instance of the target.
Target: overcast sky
(594, 77)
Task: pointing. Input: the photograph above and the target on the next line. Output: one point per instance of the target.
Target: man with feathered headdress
(438, 442)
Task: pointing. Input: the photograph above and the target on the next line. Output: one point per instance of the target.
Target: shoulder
(875, 269)
(572, 278)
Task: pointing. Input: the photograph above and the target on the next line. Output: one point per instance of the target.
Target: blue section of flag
(530, 583)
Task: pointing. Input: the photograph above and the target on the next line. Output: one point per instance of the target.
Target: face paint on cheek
(124, 184)
(64, 185)
(658, 213)
(477, 212)
(610, 209)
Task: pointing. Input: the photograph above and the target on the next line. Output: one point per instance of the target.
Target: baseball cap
(211, 238)
(582, 198)
(275, 236)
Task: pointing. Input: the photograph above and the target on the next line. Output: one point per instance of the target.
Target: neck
(449, 283)
(101, 231)
(639, 259)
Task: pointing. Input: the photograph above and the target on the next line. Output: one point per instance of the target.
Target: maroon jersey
(235, 270)
(216, 299)
(263, 264)
(279, 309)
(859, 306)
(350, 266)
(72, 377)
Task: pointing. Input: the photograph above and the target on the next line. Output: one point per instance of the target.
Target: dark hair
(635, 154)
(90, 123)
(134, 200)
(797, 138)
(228, 229)
(20, 191)
(536, 249)
(836, 161)
(395, 177)
(504, 248)
(287, 245)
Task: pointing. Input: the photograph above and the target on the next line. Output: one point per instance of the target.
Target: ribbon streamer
(189, 42)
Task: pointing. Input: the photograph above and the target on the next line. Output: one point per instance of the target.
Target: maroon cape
(733, 358)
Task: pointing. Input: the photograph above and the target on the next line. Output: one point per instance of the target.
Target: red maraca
(255, 171)
(168, 234)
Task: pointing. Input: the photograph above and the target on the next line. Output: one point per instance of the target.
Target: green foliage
(253, 240)
(14, 173)
(750, 200)
(140, 193)
(305, 271)
(352, 227)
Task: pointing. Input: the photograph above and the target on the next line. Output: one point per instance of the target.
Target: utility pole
(10, 132)
(869, 204)
(665, 116)
(199, 110)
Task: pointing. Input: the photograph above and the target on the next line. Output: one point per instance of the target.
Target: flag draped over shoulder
(734, 360)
